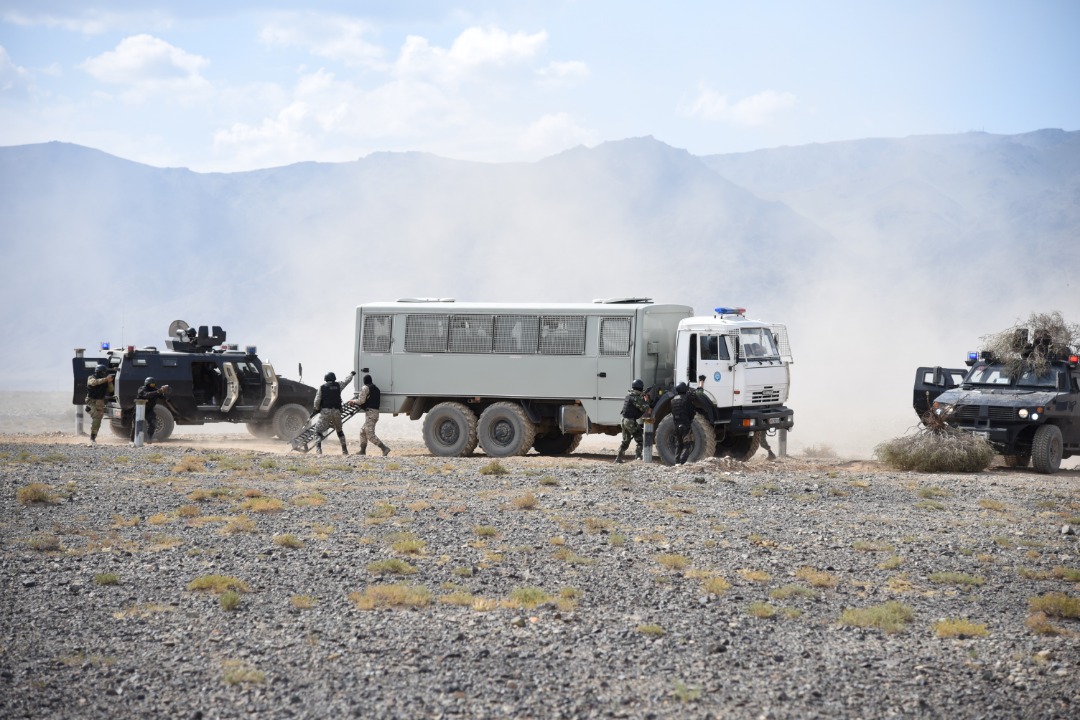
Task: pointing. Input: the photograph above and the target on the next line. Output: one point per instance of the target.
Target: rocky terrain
(413, 586)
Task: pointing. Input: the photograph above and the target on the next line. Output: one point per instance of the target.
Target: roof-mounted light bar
(729, 311)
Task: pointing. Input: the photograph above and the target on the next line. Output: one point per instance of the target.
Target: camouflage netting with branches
(936, 447)
(1033, 343)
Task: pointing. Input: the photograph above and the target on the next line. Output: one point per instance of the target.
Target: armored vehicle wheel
(1017, 460)
(1046, 449)
(704, 439)
(450, 430)
(164, 424)
(740, 447)
(289, 420)
(120, 430)
(263, 430)
(557, 443)
(505, 430)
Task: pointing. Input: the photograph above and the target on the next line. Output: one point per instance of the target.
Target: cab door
(714, 362)
(232, 386)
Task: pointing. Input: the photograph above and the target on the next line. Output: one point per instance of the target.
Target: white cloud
(473, 50)
(336, 38)
(14, 80)
(145, 64)
(754, 110)
(563, 73)
(553, 133)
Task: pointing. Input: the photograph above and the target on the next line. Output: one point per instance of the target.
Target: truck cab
(746, 368)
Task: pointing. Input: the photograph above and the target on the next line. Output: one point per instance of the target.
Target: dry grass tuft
(389, 596)
(288, 540)
(762, 610)
(673, 562)
(303, 602)
(239, 524)
(525, 502)
(36, 493)
(936, 447)
(391, 566)
(189, 464)
(262, 505)
(106, 579)
(237, 672)
(715, 585)
(651, 630)
(494, 468)
(891, 617)
(1056, 604)
(955, 578)
(527, 598)
(816, 578)
(218, 584)
(960, 629)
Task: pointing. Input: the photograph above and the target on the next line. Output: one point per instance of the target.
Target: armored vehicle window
(425, 333)
(139, 362)
(168, 362)
(562, 335)
(615, 336)
(516, 333)
(1048, 378)
(470, 333)
(988, 375)
(376, 337)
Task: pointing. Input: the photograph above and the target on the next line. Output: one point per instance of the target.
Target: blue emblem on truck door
(716, 376)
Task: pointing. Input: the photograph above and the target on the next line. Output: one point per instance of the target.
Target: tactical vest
(630, 410)
(331, 397)
(374, 398)
(682, 410)
(97, 392)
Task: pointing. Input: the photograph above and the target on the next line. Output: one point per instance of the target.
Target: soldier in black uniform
(151, 394)
(99, 386)
(682, 412)
(328, 406)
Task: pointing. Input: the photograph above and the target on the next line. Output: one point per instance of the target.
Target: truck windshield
(999, 375)
(757, 344)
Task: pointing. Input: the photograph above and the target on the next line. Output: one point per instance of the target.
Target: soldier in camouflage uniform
(635, 408)
(99, 386)
(328, 407)
(369, 401)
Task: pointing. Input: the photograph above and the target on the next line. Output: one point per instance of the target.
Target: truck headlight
(1023, 413)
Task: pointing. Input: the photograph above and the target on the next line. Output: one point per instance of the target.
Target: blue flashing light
(104, 346)
(729, 311)
(972, 355)
(250, 350)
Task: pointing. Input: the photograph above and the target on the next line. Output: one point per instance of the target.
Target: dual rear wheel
(452, 429)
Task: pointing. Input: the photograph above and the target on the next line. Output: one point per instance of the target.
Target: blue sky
(238, 85)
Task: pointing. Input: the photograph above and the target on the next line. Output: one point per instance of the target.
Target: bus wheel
(450, 430)
(557, 443)
(505, 430)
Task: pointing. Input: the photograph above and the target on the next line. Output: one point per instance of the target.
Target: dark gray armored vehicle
(209, 381)
(1027, 409)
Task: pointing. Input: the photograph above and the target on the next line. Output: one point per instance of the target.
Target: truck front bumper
(750, 420)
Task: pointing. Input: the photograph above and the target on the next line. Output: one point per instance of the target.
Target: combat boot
(93, 438)
(344, 447)
(318, 448)
(363, 450)
(385, 450)
(619, 457)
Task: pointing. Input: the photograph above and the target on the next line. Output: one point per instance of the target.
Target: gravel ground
(632, 559)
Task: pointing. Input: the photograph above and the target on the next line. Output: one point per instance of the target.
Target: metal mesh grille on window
(376, 337)
(470, 333)
(562, 334)
(425, 333)
(615, 336)
(780, 335)
(516, 333)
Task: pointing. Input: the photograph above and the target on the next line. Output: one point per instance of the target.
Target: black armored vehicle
(209, 381)
(1027, 408)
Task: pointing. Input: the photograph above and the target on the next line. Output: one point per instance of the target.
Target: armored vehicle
(1028, 410)
(513, 377)
(209, 381)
